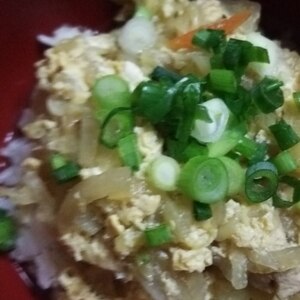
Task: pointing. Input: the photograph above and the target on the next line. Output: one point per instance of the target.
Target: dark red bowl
(20, 22)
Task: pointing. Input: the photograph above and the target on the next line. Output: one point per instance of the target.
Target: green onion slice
(152, 100)
(261, 182)
(234, 54)
(57, 161)
(201, 211)
(110, 91)
(222, 80)
(163, 74)
(227, 142)
(209, 39)
(163, 173)
(142, 12)
(251, 150)
(63, 170)
(238, 54)
(236, 174)
(284, 134)
(157, 236)
(129, 152)
(67, 172)
(208, 132)
(182, 152)
(285, 163)
(204, 179)
(190, 98)
(267, 94)
(117, 124)
(7, 232)
(296, 97)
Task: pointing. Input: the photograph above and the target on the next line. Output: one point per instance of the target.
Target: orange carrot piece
(232, 23)
(228, 25)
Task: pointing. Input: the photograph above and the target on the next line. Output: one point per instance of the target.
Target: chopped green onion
(251, 150)
(117, 124)
(226, 143)
(157, 236)
(204, 179)
(163, 173)
(143, 12)
(57, 161)
(234, 54)
(7, 232)
(152, 101)
(285, 163)
(207, 132)
(184, 96)
(67, 172)
(236, 174)
(238, 54)
(259, 54)
(296, 97)
(209, 39)
(109, 92)
(295, 185)
(222, 80)
(63, 169)
(267, 95)
(182, 152)
(128, 151)
(194, 149)
(284, 134)
(190, 98)
(216, 61)
(240, 104)
(201, 211)
(261, 182)
(161, 74)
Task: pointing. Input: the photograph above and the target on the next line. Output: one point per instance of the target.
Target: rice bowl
(160, 160)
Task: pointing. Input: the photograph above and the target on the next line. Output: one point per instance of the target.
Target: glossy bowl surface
(20, 22)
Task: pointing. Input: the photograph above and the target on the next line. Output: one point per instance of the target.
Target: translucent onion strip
(113, 184)
(279, 260)
(88, 140)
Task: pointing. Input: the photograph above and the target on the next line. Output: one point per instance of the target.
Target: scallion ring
(117, 124)
(261, 181)
(204, 179)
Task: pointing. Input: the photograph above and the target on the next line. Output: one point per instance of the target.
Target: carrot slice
(228, 25)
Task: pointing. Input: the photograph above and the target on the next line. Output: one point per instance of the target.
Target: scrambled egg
(191, 260)
(76, 288)
(256, 227)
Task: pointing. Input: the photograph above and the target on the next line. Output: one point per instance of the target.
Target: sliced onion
(88, 140)
(279, 260)
(207, 132)
(234, 268)
(113, 184)
(156, 276)
(137, 35)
